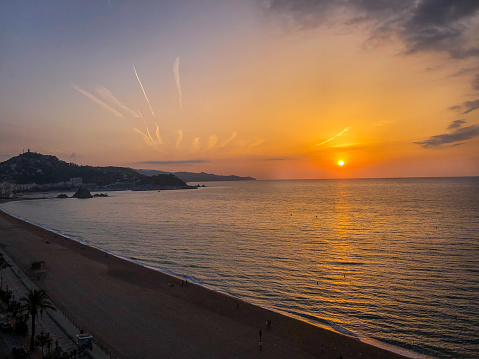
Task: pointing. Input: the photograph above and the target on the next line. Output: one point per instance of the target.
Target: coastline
(135, 312)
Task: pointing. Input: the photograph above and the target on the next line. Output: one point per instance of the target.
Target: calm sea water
(389, 260)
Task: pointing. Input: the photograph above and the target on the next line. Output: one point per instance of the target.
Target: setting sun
(341, 163)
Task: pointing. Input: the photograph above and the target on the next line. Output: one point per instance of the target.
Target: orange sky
(264, 89)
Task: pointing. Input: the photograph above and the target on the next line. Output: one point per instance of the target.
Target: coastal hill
(32, 167)
(197, 177)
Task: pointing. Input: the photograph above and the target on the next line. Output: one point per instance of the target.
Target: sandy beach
(138, 312)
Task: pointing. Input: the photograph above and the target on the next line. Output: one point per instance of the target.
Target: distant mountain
(197, 177)
(32, 167)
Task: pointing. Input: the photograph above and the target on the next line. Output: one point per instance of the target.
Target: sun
(341, 163)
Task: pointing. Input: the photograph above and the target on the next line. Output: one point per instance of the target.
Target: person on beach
(260, 345)
(260, 334)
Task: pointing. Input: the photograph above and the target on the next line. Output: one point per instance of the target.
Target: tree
(33, 303)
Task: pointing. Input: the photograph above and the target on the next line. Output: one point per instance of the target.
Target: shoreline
(225, 326)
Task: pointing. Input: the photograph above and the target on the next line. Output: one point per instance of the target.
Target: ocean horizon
(390, 261)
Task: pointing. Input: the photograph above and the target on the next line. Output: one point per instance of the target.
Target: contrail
(228, 140)
(332, 138)
(140, 114)
(109, 3)
(176, 71)
(98, 101)
(143, 90)
(158, 134)
(108, 95)
(147, 130)
(179, 139)
(145, 137)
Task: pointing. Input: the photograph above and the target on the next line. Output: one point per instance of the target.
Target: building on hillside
(76, 181)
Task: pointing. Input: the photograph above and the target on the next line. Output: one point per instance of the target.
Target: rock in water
(82, 193)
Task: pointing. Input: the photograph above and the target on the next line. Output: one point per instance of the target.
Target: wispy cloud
(281, 159)
(256, 143)
(144, 93)
(455, 124)
(183, 162)
(109, 97)
(148, 139)
(149, 135)
(196, 144)
(344, 145)
(157, 133)
(145, 138)
(224, 143)
(383, 123)
(212, 140)
(466, 107)
(445, 26)
(332, 138)
(452, 139)
(176, 71)
(179, 138)
(98, 101)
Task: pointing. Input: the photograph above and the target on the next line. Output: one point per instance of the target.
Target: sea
(394, 262)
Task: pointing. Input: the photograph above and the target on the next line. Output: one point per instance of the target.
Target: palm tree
(34, 302)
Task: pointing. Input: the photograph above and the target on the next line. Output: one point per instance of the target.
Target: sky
(273, 89)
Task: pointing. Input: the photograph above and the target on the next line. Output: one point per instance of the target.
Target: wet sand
(136, 312)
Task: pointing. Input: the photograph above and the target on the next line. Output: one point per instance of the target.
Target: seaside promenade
(55, 323)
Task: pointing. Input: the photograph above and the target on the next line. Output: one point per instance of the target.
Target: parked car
(20, 353)
(6, 327)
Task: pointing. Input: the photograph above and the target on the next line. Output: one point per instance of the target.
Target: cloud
(344, 145)
(144, 92)
(148, 139)
(179, 139)
(475, 83)
(281, 159)
(454, 138)
(455, 124)
(184, 162)
(224, 143)
(196, 144)
(332, 138)
(157, 132)
(449, 26)
(148, 131)
(176, 71)
(73, 155)
(256, 143)
(212, 140)
(98, 101)
(466, 107)
(109, 97)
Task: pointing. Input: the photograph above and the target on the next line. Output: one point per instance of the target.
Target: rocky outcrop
(82, 193)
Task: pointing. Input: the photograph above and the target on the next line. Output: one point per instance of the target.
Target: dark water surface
(392, 260)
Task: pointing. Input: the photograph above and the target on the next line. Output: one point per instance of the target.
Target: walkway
(53, 322)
